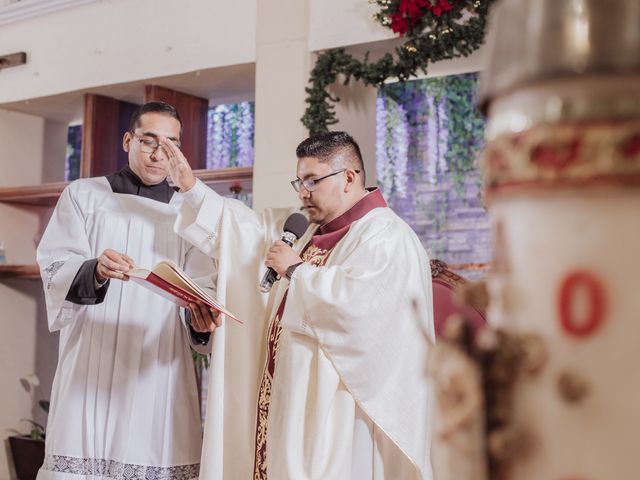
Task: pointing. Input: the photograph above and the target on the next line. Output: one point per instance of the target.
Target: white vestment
(351, 398)
(124, 403)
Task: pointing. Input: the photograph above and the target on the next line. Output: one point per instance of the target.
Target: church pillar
(282, 71)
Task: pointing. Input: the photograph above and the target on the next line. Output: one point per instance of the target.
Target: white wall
(33, 152)
(282, 70)
(54, 149)
(26, 346)
(33, 149)
(337, 23)
(119, 41)
(21, 157)
(356, 113)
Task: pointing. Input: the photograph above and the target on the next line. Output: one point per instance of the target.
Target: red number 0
(596, 299)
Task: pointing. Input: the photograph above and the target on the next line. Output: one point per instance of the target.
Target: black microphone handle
(270, 277)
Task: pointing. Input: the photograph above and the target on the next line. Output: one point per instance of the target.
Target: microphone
(294, 228)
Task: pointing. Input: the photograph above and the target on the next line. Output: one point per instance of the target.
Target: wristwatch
(292, 268)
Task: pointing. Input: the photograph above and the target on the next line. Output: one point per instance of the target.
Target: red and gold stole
(316, 253)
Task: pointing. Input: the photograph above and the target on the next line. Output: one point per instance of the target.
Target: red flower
(411, 11)
(412, 8)
(439, 7)
(399, 23)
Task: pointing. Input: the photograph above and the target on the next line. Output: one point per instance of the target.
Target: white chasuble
(124, 403)
(349, 397)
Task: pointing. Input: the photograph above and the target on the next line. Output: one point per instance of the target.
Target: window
(74, 152)
(230, 135)
(429, 136)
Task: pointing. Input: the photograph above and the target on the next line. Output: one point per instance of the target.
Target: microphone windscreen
(296, 224)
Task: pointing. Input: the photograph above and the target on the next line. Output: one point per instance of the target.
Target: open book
(168, 280)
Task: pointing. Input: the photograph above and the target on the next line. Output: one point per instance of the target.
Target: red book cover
(181, 290)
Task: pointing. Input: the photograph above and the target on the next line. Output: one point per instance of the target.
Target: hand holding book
(204, 318)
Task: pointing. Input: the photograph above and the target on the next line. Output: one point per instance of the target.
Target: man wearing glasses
(327, 378)
(124, 401)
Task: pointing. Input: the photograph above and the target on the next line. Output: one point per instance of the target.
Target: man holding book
(124, 401)
(327, 377)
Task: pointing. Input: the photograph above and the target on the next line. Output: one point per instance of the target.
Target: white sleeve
(202, 214)
(199, 218)
(62, 251)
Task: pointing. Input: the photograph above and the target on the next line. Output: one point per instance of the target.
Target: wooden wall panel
(193, 112)
(105, 122)
(125, 112)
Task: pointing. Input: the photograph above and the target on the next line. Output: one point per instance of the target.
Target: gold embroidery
(264, 396)
(315, 256)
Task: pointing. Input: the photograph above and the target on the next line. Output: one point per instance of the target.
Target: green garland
(430, 38)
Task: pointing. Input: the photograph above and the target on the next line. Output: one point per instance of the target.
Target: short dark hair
(324, 146)
(153, 107)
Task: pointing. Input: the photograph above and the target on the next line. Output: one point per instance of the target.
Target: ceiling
(219, 85)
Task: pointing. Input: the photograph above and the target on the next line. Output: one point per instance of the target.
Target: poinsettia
(439, 6)
(412, 8)
(399, 23)
(411, 11)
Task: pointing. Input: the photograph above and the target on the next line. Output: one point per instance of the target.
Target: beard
(315, 215)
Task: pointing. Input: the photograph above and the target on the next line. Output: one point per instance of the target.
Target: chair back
(445, 283)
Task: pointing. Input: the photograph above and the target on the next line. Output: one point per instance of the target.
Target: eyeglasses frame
(297, 183)
(139, 138)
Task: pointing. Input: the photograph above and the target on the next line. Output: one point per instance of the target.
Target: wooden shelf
(227, 180)
(46, 194)
(19, 271)
(222, 181)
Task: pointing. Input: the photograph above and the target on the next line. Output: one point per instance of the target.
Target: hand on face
(280, 257)
(178, 167)
(112, 264)
(204, 318)
(147, 157)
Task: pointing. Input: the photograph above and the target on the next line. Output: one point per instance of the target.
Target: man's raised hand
(178, 168)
